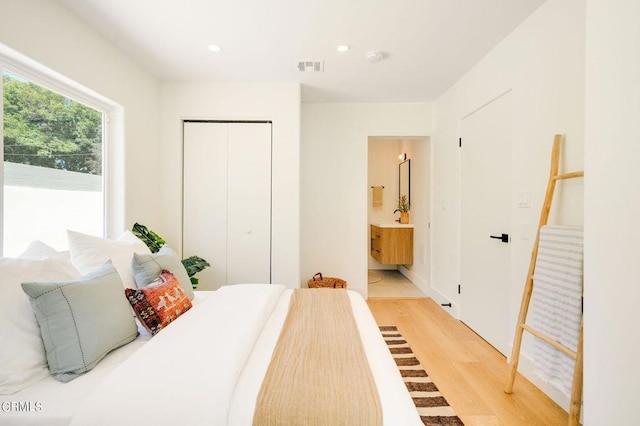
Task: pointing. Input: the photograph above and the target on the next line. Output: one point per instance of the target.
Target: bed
(207, 367)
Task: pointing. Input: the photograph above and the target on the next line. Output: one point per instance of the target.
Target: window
(53, 165)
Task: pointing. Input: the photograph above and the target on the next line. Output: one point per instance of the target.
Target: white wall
(36, 197)
(278, 102)
(334, 185)
(612, 209)
(48, 33)
(542, 63)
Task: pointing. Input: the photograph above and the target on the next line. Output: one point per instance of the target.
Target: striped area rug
(432, 406)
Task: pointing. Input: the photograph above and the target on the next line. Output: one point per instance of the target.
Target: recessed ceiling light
(343, 48)
(214, 48)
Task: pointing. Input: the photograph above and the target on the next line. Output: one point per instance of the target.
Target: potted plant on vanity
(403, 208)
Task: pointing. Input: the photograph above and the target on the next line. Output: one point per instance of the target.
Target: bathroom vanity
(392, 243)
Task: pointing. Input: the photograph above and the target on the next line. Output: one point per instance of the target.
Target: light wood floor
(469, 372)
(393, 284)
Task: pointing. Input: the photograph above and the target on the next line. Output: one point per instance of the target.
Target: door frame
(423, 283)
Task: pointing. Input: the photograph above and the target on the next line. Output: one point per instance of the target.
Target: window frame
(50, 80)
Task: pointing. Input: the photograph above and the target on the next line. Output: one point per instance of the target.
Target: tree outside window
(52, 166)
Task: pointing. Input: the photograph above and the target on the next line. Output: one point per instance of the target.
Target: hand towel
(377, 196)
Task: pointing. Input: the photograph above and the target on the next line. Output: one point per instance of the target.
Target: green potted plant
(193, 264)
(403, 208)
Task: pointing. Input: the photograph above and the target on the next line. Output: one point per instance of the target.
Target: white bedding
(59, 400)
(206, 368)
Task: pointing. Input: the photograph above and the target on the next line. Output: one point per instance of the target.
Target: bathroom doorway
(395, 165)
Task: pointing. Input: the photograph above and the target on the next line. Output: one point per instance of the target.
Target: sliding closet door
(227, 201)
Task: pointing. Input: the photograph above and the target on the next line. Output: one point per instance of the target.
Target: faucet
(394, 212)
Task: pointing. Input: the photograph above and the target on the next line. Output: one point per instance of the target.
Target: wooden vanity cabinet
(392, 246)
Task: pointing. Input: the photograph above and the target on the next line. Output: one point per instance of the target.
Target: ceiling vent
(311, 66)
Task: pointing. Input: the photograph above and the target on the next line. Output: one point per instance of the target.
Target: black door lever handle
(504, 237)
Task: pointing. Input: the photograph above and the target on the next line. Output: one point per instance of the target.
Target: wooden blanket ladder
(576, 389)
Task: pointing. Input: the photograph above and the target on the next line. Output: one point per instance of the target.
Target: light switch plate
(524, 200)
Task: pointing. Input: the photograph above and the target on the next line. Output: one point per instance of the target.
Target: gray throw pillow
(81, 321)
(147, 267)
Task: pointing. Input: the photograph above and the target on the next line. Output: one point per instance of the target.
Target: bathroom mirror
(405, 180)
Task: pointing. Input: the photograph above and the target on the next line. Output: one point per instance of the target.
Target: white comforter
(207, 367)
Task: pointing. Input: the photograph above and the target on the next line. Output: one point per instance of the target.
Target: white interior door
(249, 203)
(485, 212)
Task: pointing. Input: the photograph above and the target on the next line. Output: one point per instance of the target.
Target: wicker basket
(318, 281)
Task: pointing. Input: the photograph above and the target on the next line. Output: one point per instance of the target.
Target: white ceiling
(428, 44)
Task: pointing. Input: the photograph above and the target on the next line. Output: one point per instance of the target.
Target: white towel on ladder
(556, 303)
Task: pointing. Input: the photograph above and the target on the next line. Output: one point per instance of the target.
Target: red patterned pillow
(160, 302)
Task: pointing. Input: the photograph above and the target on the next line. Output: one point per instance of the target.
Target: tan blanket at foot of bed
(319, 374)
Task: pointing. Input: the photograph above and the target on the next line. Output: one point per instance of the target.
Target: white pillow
(88, 253)
(22, 356)
(130, 236)
(38, 250)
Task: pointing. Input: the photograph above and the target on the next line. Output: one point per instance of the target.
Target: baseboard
(419, 282)
(429, 291)
(526, 368)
